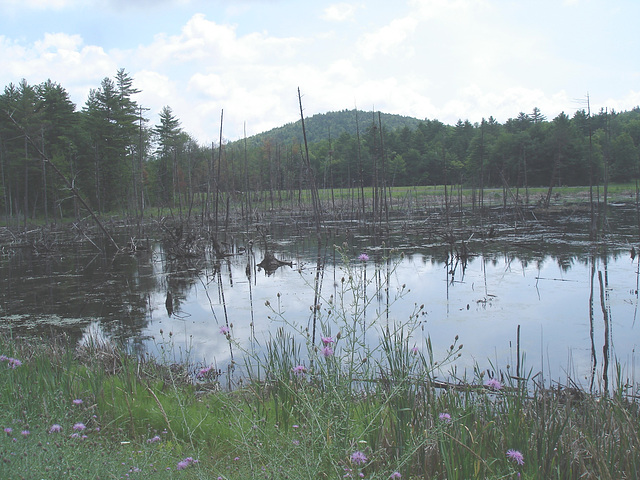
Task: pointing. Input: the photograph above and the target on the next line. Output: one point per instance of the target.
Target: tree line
(108, 153)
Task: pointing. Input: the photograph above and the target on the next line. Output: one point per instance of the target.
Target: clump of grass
(67, 413)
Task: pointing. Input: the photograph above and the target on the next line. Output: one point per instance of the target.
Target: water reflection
(564, 310)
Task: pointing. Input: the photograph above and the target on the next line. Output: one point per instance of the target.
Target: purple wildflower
(25, 433)
(299, 370)
(415, 350)
(3, 358)
(224, 330)
(493, 384)
(445, 417)
(396, 475)
(327, 340)
(358, 457)
(363, 257)
(327, 351)
(185, 463)
(79, 426)
(55, 428)
(516, 456)
(8, 430)
(204, 371)
(78, 401)
(14, 362)
(154, 439)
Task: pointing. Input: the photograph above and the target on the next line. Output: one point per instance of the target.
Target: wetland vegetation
(342, 406)
(368, 296)
(355, 388)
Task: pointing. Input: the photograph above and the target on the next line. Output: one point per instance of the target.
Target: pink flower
(203, 372)
(516, 456)
(326, 340)
(154, 439)
(327, 351)
(395, 475)
(79, 426)
(14, 362)
(224, 330)
(55, 428)
(493, 384)
(299, 370)
(358, 457)
(185, 463)
(25, 433)
(363, 257)
(445, 417)
(78, 401)
(8, 430)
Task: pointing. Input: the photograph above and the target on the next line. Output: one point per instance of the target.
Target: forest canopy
(118, 162)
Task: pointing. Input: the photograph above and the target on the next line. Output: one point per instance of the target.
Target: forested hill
(323, 126)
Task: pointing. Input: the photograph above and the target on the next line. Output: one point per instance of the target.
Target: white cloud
(60, 57)
(339, 12)
(474, 103)
(42, 4)
(155, 89)
(437, 8)
(211, 85)
(58, 43)
(387, 39)
(621, 103)
(204, 40)
(444, 59)
(343, 70)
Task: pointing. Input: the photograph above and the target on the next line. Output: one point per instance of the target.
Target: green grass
(143, 416)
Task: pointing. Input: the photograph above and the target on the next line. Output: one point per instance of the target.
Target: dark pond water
(574, 302)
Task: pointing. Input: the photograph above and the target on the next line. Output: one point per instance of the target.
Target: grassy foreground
(342, 406)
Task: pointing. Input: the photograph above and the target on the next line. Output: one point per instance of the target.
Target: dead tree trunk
(314, 189)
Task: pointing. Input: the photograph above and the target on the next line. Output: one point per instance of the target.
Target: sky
(244, 60)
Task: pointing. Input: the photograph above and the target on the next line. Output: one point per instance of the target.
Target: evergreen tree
(111, 126)
(167, 135)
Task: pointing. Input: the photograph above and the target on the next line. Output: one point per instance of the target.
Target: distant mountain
(321, 125)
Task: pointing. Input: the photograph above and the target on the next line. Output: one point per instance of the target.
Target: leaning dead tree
(68, 182)
(314, 189)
